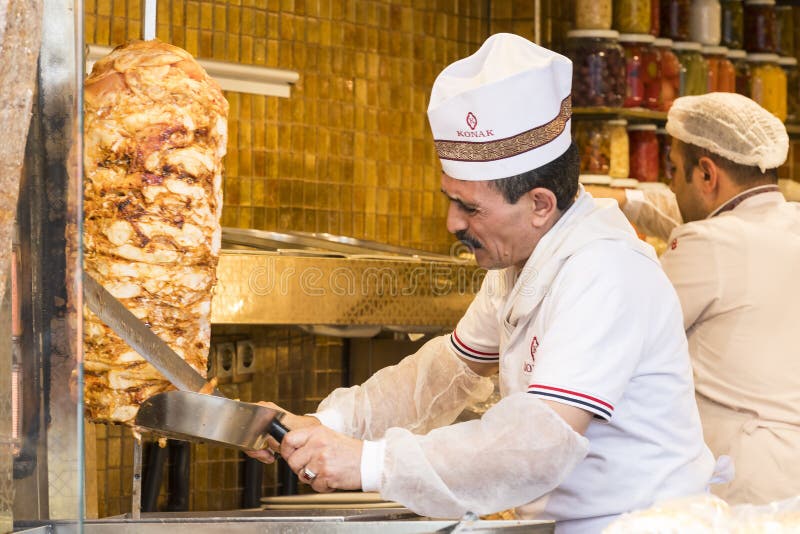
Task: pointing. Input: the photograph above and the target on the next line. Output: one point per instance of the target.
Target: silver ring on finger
(308, 474)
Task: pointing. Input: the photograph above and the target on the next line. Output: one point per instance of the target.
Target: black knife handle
(276, 428)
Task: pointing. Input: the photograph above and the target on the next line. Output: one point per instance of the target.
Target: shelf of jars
(633, 58)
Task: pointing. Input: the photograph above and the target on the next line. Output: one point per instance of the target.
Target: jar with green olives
(732, 19)
(632, 16)
(694, 69)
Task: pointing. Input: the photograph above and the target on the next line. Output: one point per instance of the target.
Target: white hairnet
(732, 126)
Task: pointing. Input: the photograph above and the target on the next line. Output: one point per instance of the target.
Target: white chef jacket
(597, 326)
(606, 338)
(736, 277)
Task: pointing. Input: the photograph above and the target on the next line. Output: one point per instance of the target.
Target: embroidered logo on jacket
(527, 367)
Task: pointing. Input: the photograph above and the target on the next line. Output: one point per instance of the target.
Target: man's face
(686, 188)
(500, 234)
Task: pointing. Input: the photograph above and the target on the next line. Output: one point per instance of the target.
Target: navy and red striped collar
(741, 197)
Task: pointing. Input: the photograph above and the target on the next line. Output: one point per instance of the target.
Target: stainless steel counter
(214, 522)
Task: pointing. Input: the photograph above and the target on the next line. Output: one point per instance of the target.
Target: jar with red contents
(598, 68)
(760, 26)
(642, 70)
(741, 68)
(721, 74)
(655, 18)
(670, 83)
(644, 155)
(664, 148)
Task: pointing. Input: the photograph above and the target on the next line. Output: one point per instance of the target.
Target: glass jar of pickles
(642, 70)
(705, 22)
(643, 152)
(721, 75)
(670, 73)
(598, 68)
(741, 70)
(768, 83)
(664, 147)
(593, 145)
(592, 14)
(784, 28)
(694, 70)
(655, 18)
(632, 16)
(675, 19)
(759, 26)
(618, 147)
(789, 66)
(732, 23)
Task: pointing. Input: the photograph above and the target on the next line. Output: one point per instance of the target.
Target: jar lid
(715, 50)
(787, 61)
(737, 53)
(652, 186)
(760, 2)
(618, 122)
(763, 58)
(642, 128)
(597, 34)
(624, 182)
(686, 45)
(662, 42)
(636, 38)
(594, 179)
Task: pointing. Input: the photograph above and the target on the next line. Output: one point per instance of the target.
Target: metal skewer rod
(136, 490)
(149, 8)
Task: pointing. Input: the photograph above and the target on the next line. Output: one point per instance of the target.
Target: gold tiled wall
(350, 151)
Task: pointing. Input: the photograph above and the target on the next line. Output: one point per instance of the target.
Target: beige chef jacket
(736, 274)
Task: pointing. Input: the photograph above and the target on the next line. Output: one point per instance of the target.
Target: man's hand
(290, 421)
(602, 191)
(334, 458)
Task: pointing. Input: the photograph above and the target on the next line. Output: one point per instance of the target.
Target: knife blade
(140, 338)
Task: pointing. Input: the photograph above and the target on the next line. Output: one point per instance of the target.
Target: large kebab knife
(185, 414)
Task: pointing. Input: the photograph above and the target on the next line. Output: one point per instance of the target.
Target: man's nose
(455, 219)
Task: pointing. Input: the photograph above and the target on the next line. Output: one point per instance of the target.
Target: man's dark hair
(559, 176)
(742, 175)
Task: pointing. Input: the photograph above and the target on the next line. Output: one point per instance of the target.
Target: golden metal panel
(270, 288)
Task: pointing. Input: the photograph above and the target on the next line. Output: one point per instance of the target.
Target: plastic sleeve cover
(654, 212)
(426, 390)
(518, 451)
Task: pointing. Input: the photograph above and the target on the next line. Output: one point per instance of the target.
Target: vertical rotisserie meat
(155, 134)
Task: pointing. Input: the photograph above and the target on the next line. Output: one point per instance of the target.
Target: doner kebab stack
(155, 131)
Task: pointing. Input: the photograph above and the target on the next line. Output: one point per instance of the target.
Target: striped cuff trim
(593, 405)
(470, 353)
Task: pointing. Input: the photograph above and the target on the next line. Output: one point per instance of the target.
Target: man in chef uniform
(597, 415)
(734, 265)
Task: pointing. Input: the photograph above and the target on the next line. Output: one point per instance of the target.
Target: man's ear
(709, 174)
(543, 205)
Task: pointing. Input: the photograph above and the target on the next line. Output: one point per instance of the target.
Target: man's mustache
(468, 240)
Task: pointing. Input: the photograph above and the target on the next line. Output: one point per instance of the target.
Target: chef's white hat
(502, 111)
(732, 126)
